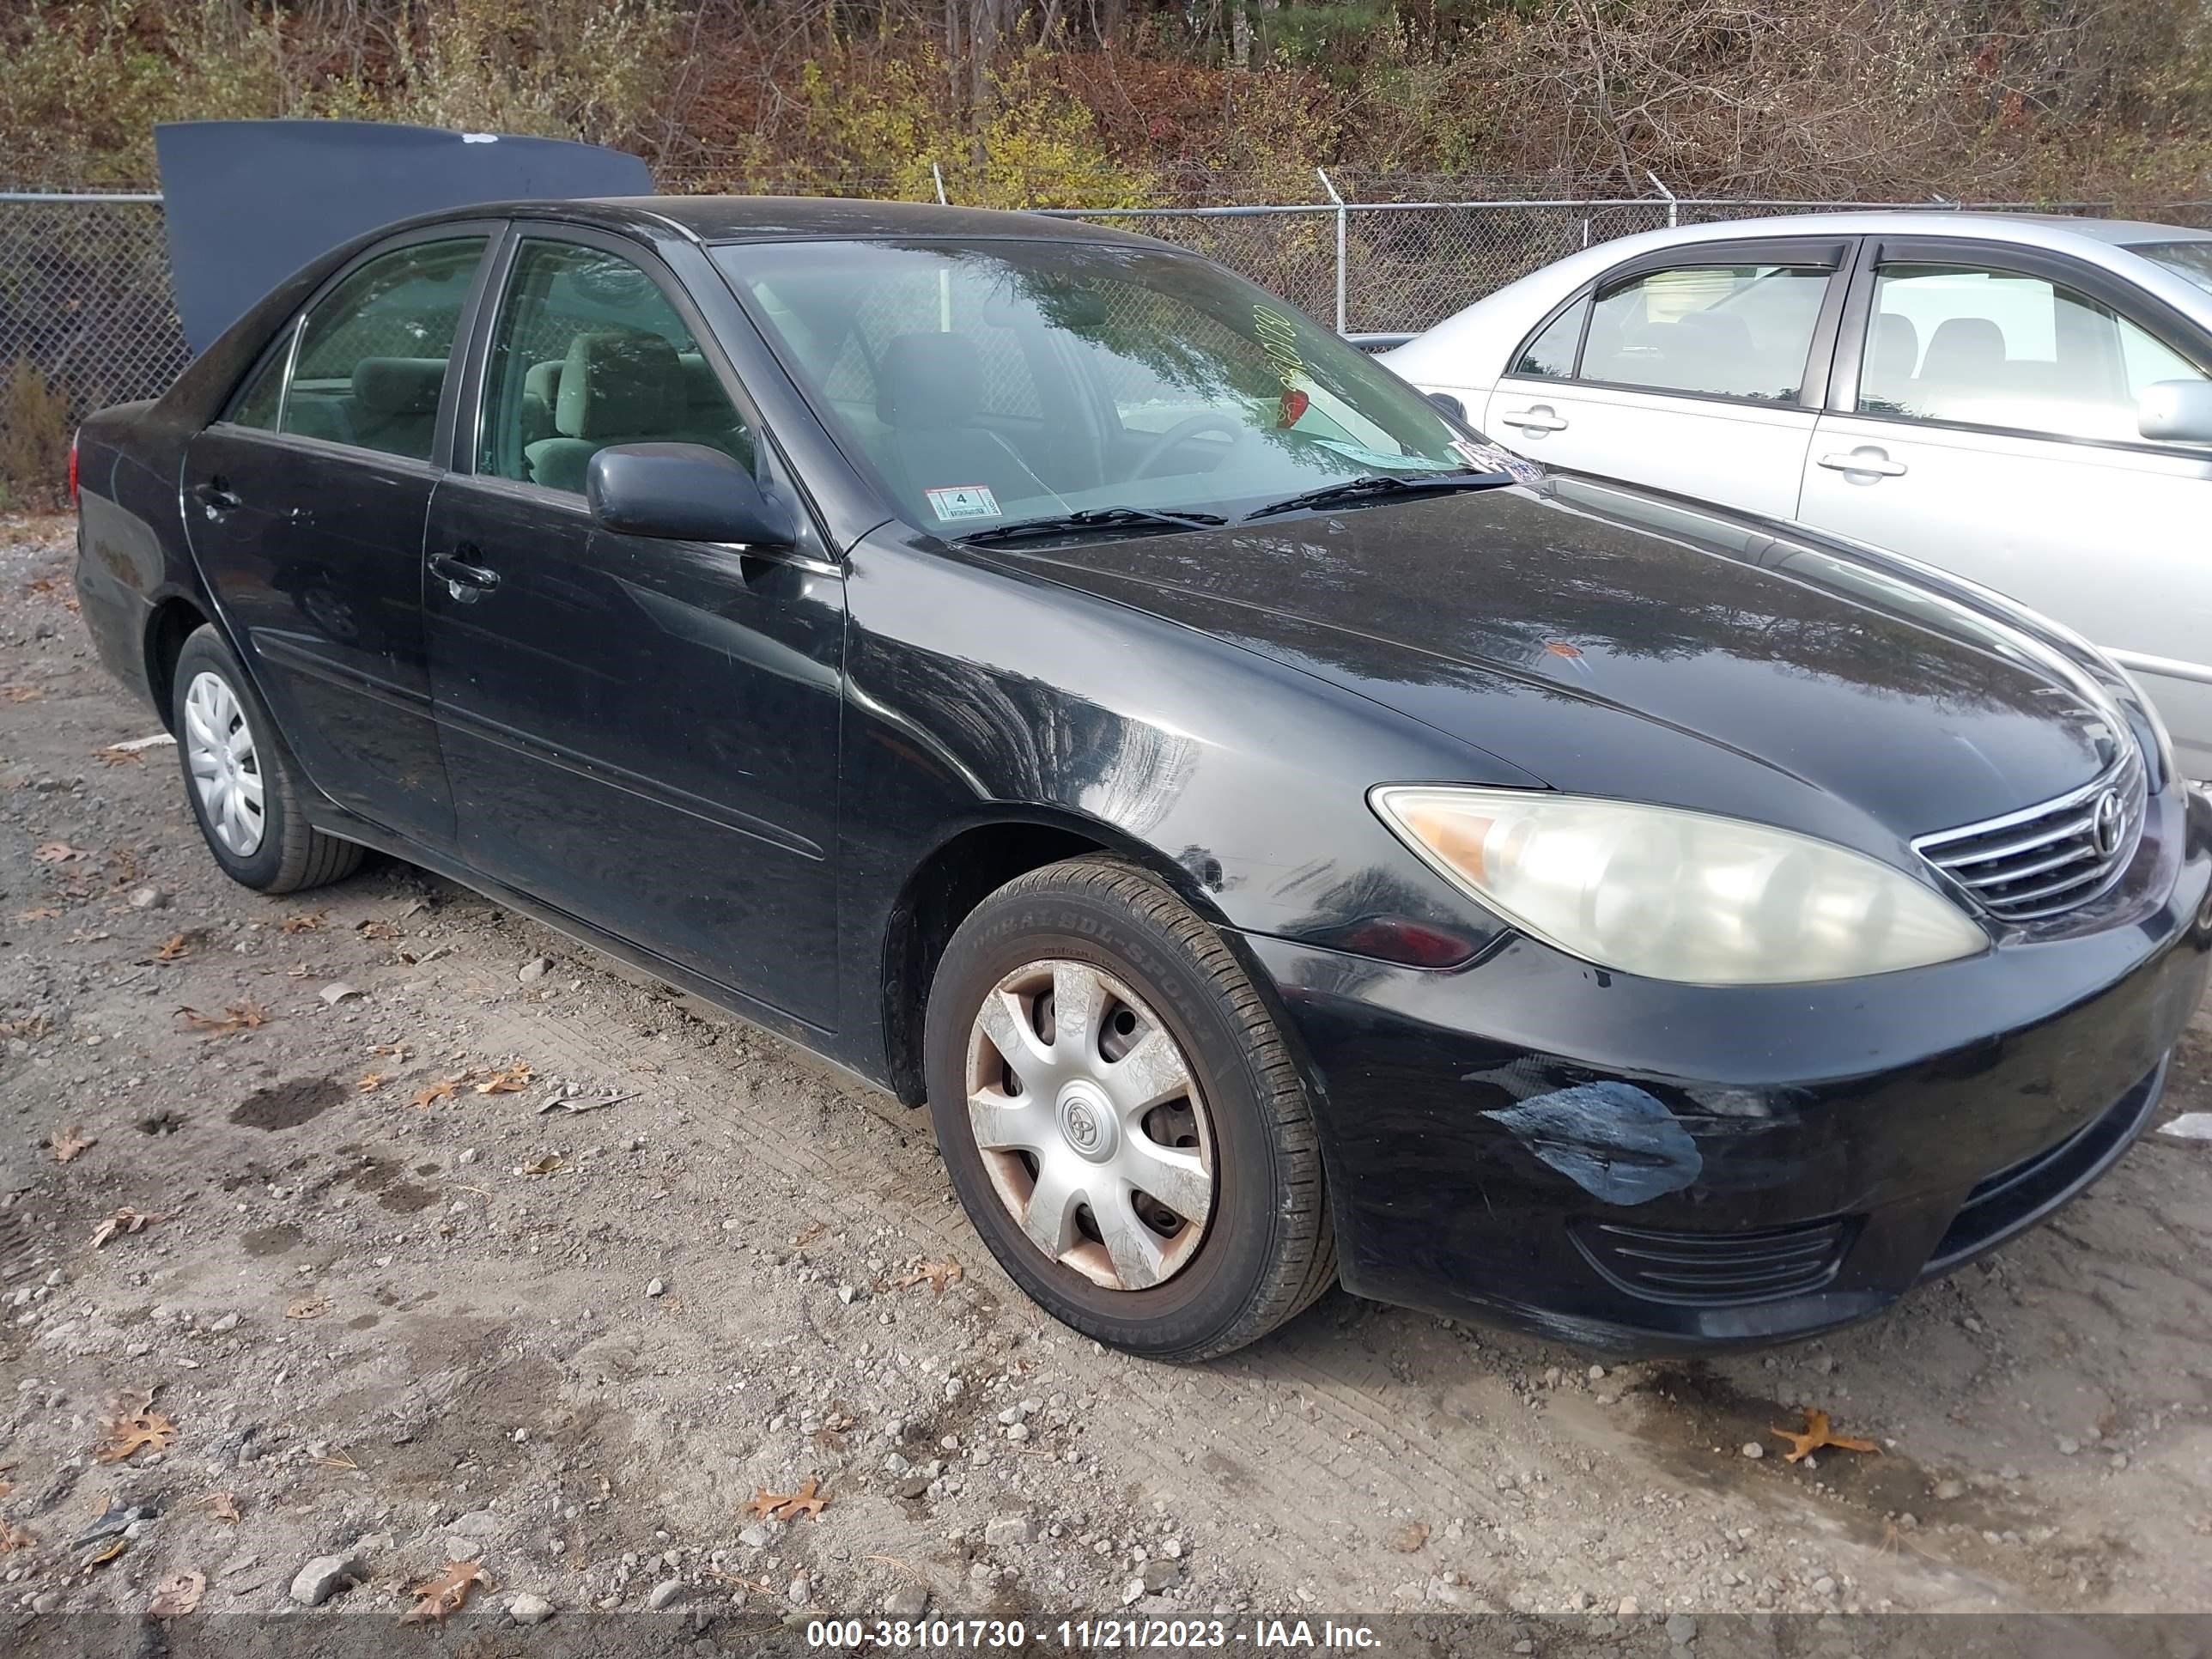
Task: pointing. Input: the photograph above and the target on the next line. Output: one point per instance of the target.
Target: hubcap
(1090, 1124)
(226, 770)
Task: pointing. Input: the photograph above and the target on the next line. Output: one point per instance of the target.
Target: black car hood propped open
(248, 202)
(1512, 618)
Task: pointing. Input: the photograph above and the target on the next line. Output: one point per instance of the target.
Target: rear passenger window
(1720, 330)
(372, 361)
(589, 352)
(1551, 354)
(262, 396)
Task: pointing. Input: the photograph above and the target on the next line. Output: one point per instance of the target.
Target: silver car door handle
(1538, 419)
(1865, 460)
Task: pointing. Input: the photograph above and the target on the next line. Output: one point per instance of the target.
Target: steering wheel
(1211, 420)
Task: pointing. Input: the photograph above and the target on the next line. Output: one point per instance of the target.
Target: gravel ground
(397, 1320)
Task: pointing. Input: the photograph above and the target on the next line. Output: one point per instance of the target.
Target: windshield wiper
(1094, 518)
(1383, 484)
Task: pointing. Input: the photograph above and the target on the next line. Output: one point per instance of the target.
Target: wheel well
(172, 623)
(937, 896)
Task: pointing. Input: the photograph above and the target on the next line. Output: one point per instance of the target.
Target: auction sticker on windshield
(952, 501)
(1495, 457)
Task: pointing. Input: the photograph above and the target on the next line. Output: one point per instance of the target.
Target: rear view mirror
(2179, 411)
(682, 492)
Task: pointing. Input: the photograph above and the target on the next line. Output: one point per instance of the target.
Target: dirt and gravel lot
(387, 1307)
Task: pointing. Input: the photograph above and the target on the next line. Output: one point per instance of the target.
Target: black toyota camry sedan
(1283, 838)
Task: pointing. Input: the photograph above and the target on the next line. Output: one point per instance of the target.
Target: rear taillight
(72, 469)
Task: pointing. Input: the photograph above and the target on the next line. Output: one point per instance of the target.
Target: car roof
(727, 219)
(2051, 230)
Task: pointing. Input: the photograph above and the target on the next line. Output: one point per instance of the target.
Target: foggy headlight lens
(1672, 894)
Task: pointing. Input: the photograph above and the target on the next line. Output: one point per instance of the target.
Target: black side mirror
(1449, 404)
(684, 492)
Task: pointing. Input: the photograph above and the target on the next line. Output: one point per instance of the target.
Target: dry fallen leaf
(375, 929)
(174, 949)
(810, 1233)
(14, 1538)
(448, 1593)
(370, 1082)
(123, 1435)
(510, 1081)
(1817, 1437)
(810, 1500)
(123, 1221)
(1409, 1538)
(38, 913)
(397, 1050)
(59, 852)
(551, 1163)
(221, 1506)
(444, 1089)
(936, 1274)
(307, 921)
(22, 693)
(241, 1016)
(106, 1552)
(114, 756)
(176, 1597)
(308, 1307)
(68, 1142)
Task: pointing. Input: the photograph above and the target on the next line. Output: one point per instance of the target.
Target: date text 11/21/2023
(987, 1636)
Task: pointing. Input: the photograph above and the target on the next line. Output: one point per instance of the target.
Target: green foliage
(35, 438)
(560, 68)
(87, 83)
(1032, 146)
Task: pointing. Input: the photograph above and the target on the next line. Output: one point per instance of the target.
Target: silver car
(2024, 401)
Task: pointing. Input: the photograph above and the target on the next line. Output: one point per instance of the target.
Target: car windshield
(992, 382)
(2190, 259)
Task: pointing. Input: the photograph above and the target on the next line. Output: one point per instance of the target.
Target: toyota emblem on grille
(2105, 826)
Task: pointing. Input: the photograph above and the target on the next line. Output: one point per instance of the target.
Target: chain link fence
(85, 298)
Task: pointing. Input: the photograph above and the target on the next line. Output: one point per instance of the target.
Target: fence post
(1338, 201)
(1674, 209)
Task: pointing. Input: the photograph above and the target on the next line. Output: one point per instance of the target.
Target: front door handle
(1867, 459)
(1542, 418)
(466, 582)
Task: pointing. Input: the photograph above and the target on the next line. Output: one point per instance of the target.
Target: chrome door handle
(1865, 461)
(216, 498)
(1542, 418)
(465, 582)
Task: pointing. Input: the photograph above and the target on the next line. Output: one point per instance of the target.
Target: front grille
(1714, 1269)
(2047, 859)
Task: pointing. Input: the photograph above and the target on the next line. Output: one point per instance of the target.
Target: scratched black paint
(745, 774)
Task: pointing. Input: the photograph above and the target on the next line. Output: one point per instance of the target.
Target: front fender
(979, 694)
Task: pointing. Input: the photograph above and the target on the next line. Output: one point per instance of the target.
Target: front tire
(243, 791)
(1121, 1118)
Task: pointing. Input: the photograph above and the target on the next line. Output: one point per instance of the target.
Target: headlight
(1672, 894)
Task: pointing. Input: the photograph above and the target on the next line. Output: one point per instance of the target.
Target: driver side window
(589, 352)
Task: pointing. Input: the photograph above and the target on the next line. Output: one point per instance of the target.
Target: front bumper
(1644, 1168)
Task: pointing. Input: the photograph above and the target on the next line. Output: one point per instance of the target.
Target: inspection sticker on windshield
(1494, 458)
(962, 502)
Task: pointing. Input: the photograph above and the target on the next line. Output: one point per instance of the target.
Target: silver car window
(2000, 348)
(1722, 330)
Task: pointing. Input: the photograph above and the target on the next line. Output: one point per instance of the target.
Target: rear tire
(239, 781)
(1080, 968)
